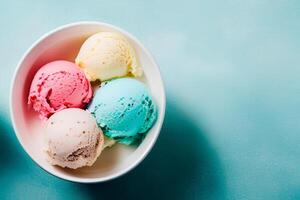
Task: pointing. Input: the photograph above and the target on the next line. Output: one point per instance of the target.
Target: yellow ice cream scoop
(107, 55)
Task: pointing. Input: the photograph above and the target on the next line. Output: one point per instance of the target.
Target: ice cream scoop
(124, 109)
(59, 85)
(73, 138)
(107, 55)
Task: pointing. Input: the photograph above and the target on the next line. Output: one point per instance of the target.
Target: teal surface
(231, 70)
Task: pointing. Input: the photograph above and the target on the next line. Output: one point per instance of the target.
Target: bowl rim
(162, 108)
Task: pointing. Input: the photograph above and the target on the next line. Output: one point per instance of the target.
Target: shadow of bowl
(8, 151)
(182, 165)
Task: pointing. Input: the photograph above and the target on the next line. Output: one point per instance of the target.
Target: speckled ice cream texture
(73, 138)
(124, 109)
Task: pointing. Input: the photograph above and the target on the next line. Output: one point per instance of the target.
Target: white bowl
(64, 43)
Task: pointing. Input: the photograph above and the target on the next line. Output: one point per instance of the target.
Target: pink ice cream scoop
(59, 85)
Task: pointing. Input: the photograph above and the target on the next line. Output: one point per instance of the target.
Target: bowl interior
(64, 43)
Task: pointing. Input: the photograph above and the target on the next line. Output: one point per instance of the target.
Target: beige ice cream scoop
(107, 55)
(73, 138)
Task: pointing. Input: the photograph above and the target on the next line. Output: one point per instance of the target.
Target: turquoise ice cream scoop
(124, 110)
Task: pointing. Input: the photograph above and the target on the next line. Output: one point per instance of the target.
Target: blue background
(231, 70)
